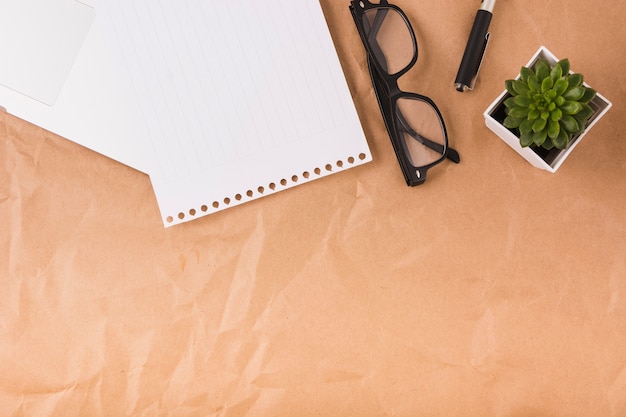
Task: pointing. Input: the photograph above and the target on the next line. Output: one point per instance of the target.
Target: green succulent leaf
(523, 101)
(508, 84)
(585, 113)
(539, 124)
(542, 69)
(569, 123)
(526, 139)
(556, 114)
(548, 145)
(534, 84)
(554, 128)
(564, 64)
(534, 114)
(546, 84)
(556, 73)
(509, 102)
(559, 101)
(575, 80)
(511, 122)
(525, 73)
(520, 88)
(590, 93)
(518, 112)
(575, 93)
(562, 139)
(571, 107)
(526, 127)
(560, 85)
(540, 137)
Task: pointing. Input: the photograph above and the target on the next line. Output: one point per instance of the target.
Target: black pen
(475, 49)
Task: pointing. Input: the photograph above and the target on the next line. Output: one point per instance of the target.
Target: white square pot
(495, 113)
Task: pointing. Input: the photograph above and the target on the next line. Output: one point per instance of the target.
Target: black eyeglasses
(413, 121)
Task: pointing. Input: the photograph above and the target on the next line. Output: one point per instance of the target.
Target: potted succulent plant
(544, 113)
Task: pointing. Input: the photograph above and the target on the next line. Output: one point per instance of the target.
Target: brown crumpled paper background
(494, 289)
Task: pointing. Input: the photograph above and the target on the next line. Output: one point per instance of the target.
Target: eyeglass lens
(390, 38)
(420, 127)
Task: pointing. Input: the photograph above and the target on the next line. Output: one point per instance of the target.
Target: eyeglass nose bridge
(394, 89)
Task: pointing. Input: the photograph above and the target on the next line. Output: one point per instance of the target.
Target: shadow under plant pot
(538, 156)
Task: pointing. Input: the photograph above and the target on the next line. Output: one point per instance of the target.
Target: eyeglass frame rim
(367, 5)
(398, 140)
(396, 93)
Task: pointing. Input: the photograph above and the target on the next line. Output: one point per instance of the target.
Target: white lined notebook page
(240, 99)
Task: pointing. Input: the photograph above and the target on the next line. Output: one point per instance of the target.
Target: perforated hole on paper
(260, 190)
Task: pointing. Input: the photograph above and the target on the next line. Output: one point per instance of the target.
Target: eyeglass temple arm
(451, 154)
